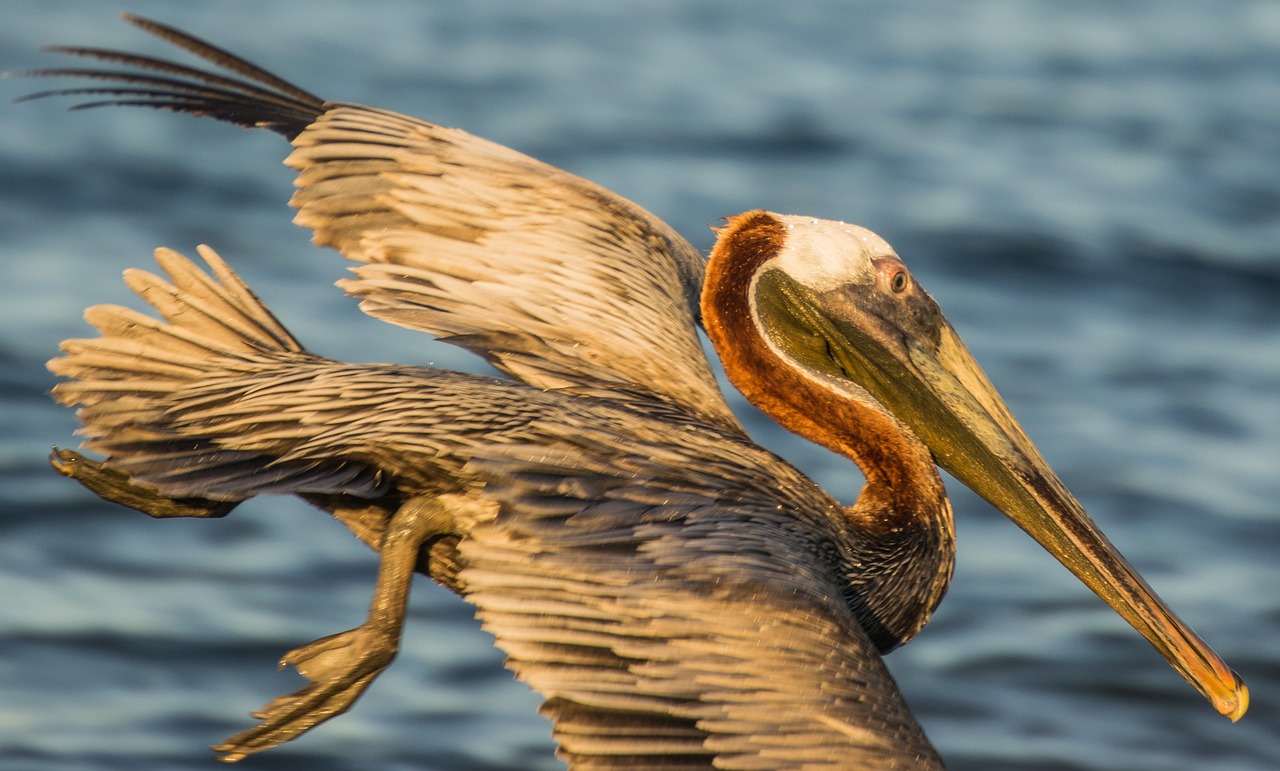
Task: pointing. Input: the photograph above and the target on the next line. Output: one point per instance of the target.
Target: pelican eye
(899, 281)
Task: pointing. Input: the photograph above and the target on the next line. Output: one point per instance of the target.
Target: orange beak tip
(1235, 709)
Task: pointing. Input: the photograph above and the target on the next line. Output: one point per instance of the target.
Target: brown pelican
(679, 596)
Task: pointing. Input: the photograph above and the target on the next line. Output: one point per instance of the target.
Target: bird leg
(415, 536)
(116, 486)
(341, 666)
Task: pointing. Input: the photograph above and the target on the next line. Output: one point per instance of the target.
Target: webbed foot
(116, 486)
(340, 667)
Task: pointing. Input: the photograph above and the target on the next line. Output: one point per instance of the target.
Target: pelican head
(834, 303)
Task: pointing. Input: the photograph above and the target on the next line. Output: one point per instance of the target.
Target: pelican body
(679, 596)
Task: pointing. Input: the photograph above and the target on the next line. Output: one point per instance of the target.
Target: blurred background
(1090, 190)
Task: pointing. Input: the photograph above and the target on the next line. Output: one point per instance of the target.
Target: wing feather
(554, 280)
(551, 278)
(659, 644)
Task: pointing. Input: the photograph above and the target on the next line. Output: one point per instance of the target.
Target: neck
(900, 538)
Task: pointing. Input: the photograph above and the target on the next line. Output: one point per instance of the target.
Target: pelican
(679, 596)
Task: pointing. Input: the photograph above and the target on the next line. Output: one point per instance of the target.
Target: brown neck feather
(902, 514)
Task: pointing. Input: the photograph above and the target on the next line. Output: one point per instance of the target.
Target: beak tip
(1234, 709)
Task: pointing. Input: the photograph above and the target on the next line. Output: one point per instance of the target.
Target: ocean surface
(1091, 191)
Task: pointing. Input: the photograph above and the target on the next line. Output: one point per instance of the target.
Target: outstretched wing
(553, 279)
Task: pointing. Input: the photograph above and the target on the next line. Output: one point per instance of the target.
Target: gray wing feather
(214, 347)
(675, 634)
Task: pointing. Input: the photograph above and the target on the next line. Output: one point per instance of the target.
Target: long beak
(936, 388)
(991, 455)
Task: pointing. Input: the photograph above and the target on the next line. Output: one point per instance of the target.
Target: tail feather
(256, 99)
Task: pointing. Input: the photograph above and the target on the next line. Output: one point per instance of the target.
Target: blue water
(1091, 190)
